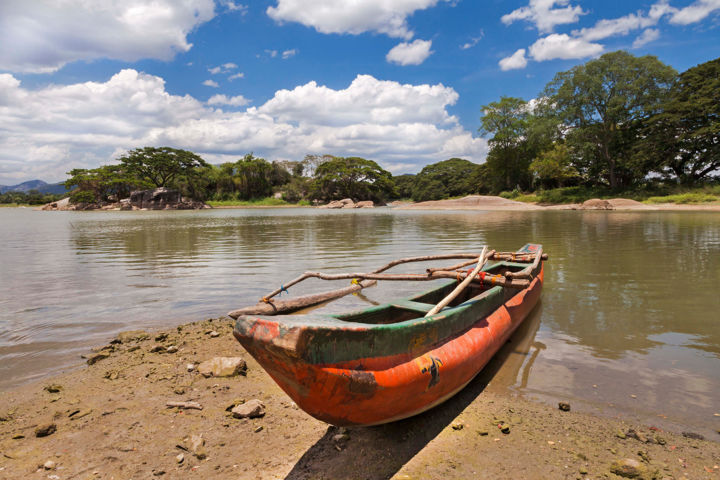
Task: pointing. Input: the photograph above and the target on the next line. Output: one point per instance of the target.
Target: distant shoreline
(489, 203)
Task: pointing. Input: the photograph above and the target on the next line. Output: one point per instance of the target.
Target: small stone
(644, 455)
(660, 440)
(341, 438)
(96, 357)
(629, 468)
(49, 465)
(258, 429)
(158, 349)
(161, 337)
(621, 435)
(112, 375)
(583, 471)
(457, 425)
(693, 435)
(483, 433)
(633, 396)
(133, 348)
(223, 367)
(197, 446)
(190, 367)
(504, 428)
(132, 336)
(53, 388)
(214, 334)
(158, 473)
(251, 409)
(180, 458)
(179, 390)
(637, 435)
(45, 430)
(564, 406)
(18, 437)
(171, 349)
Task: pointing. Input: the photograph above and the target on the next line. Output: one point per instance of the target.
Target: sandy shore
(111, 421)
(488, 202)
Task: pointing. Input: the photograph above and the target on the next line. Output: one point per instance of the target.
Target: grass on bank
(644, 194)
(257, 202)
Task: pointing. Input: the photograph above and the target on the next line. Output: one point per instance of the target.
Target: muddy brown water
(629, 321)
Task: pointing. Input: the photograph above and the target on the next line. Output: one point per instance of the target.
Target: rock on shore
(348, 203)
(156, 199)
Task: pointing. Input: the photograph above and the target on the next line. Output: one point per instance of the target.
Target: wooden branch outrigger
(517, 280)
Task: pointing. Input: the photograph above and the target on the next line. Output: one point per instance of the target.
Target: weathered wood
(513, 257)
(287, 306)
(482, 260)
(184, 405)
(527, 271)
(387, 266)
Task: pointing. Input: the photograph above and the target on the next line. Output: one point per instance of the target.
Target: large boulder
(596, 204)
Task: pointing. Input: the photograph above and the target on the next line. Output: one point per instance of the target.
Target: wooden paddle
(443, 303)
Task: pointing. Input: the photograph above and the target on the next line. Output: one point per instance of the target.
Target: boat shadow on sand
(378, 453)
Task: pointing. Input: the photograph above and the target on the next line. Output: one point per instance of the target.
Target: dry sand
(112, 422)
(489, 202)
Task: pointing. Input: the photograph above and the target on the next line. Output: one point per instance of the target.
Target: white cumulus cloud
(220, 99)
(515, 61)
(647, 36)
(50, 130)
(351, 16)
(695, 12)
(211, 83)
(563, 46)
(413, 53)
(545, 14)
(41, 36)
(289, 53)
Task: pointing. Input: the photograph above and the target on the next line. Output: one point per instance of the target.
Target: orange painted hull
(377, 389)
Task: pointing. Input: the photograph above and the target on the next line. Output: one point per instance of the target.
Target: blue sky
(397, 81)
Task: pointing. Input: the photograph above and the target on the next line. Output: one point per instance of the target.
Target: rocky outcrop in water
(348, 203)
(155, 199)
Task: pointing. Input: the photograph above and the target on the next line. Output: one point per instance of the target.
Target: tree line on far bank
(618, 123)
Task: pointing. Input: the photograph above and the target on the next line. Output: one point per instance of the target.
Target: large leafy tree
(161, 165)
(685, 135)
(449, 178)
(351, 177)
(508, 161)
(603, 102)
(255, 177)
(99, 184)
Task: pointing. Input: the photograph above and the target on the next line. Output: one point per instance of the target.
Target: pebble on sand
(45, 430)
(251, 409)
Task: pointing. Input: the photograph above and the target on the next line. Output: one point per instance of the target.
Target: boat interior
(418, 306)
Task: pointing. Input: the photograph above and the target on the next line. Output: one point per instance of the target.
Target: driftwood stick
(387, 266)
(527, 271)
(184, 405)
(489, 280)
(513, 257)
(517, 257)
(482, 260)
(287, 306)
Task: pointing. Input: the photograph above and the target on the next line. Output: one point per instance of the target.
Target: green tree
(101, 184)
(685, 134)
(602, 103)
(553, 168)
(449, 178)
(253, 177)
(404, 185)
(508, 159)
(351, 177)
(160, 166)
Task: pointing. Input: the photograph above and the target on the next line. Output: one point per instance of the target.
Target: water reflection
(630, 301)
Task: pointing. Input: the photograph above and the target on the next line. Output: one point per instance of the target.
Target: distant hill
(42, 187)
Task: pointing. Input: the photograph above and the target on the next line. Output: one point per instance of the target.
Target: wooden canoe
(389, 362)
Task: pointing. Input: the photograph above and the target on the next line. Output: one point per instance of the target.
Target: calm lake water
(631, 304)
